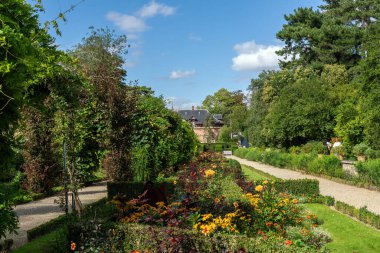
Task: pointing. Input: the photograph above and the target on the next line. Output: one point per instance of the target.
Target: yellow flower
(265, 182)
(174, 182)
(209, 173)
(236, 204)
(259, 188)
(294, 201)
(206, 216)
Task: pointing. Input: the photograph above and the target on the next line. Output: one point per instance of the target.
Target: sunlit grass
(253, 174)
(349, 236)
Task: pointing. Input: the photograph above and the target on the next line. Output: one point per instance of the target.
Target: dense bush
(297, 187)
(370, 170)
(315, 147)
(133, 189)
(360, 149)
(326, 165)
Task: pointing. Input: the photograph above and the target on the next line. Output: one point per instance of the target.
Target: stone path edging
(352, 195)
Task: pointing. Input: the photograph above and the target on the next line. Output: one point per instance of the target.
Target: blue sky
(185, 49)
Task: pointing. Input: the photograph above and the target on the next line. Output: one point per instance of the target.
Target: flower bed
(210, 212)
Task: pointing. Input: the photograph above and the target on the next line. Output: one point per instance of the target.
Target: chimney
(192, 108)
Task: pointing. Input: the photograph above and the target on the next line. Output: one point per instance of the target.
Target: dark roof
(199, 116)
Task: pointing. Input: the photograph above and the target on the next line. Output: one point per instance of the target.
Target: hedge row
(217, 147)
(297, 187)
(133, 189)
(311, 163)
(361, 214)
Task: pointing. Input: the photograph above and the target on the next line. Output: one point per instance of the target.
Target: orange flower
(294, 201)
(216, 200)
(288, 242)
(73, 246)
(236, 204)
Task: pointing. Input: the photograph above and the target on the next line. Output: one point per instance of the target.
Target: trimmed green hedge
(133, 189)
(296, 187)
(361, 214)
(324, 165)
(217, 147)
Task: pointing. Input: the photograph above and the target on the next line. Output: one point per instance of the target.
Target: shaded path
(35, 213)
(355, 196)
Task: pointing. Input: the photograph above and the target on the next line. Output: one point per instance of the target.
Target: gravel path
(351, 195)
(35, 213)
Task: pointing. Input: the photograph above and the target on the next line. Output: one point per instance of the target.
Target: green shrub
(360, 149)
(276, 158)
(296, 187)
(327, 165)
(314, 147)
(240, 152)
(254, 154)
(295, 150)
(133, 189)
(372, 154)
(301, 161)
(370, 170)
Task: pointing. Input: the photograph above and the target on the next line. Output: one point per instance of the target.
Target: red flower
(288, 242)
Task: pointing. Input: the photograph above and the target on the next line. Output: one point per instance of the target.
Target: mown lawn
(253, 174)
(349, 236)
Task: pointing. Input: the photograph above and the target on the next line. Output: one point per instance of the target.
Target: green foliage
(360, 149)
(326, 165)
(296, 187)
(361, 214)
(223, 102)
(372, 154)
(302, 112)
(132, 235)
(133, 189)
(370, 170)
(315, 147)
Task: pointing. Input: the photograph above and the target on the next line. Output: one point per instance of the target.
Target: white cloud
(255, 57)
(194, 37)
(181, 74)
(127, 23)
(132, 25)
(152, 9)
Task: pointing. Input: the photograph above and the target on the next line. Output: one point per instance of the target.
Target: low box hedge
(296, 187)
(133, 189)
(361, 214)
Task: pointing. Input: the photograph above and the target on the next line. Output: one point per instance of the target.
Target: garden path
(355, 196)
(35, 213)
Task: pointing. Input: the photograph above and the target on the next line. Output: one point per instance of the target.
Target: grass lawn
(349, 236)
(49, 243)
(253, 174)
